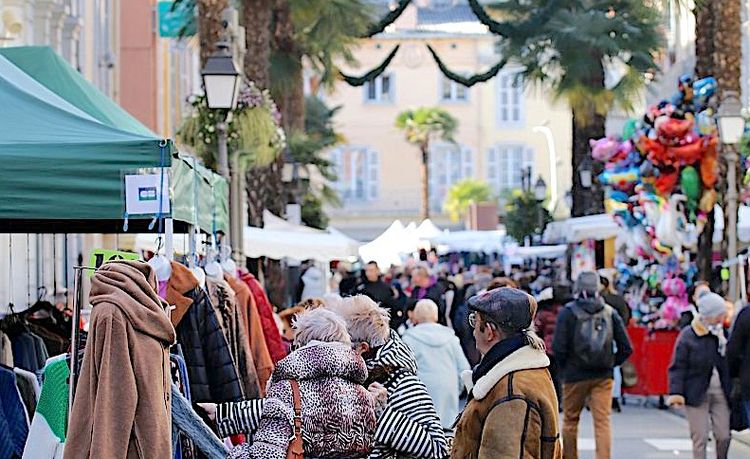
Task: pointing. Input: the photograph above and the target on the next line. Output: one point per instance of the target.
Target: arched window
(357, 172)
(449, 163)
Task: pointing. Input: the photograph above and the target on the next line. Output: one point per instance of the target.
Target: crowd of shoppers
(383, 369)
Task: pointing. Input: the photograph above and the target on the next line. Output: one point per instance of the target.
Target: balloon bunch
(660, 176)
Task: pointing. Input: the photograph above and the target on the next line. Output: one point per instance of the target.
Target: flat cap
(508, 307)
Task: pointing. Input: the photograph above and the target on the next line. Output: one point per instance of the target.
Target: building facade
(505, 124)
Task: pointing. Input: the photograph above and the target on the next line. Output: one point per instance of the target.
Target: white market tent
(427, 229)
(386, 248)
(469, 241)
(280, 239)
(538, 251)
(573, 230)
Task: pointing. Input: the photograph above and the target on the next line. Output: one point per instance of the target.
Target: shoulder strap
(296, 446)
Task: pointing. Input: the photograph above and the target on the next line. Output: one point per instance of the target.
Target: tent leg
(169, 238)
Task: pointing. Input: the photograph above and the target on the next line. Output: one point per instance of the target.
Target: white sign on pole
(143, 195)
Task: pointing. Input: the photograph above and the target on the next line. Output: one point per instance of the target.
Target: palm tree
(465, 193)
(576, 47)
(421, 126)
(209, 24)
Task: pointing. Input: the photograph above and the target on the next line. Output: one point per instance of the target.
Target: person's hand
(380, 394)
(210, 410)
(676, 400)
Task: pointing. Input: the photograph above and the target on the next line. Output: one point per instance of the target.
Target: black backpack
(593, 339)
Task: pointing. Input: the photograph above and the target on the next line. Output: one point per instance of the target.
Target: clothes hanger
(227, 264)
(213, 269)
(161, 265)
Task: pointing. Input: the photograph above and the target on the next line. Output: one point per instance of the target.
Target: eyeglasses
(473, 319)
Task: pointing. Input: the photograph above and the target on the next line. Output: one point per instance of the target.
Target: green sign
(101, 256)
(175, 22)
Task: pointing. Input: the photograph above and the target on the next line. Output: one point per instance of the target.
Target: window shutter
(373, 169)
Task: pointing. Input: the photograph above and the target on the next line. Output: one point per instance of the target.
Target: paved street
(648, 433)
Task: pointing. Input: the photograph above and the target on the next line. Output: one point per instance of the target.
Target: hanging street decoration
(661, 174)
(467, 81)
(535, 21)
(388, 19)
(372, 74)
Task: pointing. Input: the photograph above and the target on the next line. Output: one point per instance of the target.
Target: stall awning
(59, 164)
(66, 151)
(280, 239)
(598, 227)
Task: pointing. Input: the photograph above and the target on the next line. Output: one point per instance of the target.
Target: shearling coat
(122, 402)
(512, 411)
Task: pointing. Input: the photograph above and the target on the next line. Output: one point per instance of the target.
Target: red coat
(270, 330)
(545, 322)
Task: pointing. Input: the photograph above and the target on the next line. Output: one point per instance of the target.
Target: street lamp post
(540, 193)
(221, 84)
(553, 163)
(731, 127)
(585, 175)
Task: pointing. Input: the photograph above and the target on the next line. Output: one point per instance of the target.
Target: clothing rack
(75, 334)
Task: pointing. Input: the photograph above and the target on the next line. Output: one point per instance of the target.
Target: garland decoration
(387, 20)
(506, 28)
(372, 74)
(467, 81)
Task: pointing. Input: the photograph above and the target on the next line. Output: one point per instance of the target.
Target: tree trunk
(586, 201)
(728, 73)
(425, 169)
(256, 18)
(704, 38)
(209, 25)
(704, 66)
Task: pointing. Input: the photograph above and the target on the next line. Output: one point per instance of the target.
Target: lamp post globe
(220, 80)
(730, 120)
(540, 190)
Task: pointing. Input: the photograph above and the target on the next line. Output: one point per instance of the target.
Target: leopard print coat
(338, 413)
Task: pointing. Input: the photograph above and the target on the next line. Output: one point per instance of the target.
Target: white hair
(320, 325)
(366, 321)
(426, 311)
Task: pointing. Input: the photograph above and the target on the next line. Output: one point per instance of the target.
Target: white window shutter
(373, 181)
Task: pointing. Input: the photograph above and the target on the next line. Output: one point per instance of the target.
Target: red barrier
(652, 354)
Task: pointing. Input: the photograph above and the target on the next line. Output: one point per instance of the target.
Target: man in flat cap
(512, 407)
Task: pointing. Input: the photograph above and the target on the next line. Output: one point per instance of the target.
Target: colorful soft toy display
(660, 177)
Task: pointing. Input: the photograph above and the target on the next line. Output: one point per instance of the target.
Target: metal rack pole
(75, 334)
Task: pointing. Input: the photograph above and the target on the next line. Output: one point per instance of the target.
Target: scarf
(718, 331)
(498, 352)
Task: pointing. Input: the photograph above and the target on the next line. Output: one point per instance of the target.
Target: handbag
(629, 374)
(296, 448)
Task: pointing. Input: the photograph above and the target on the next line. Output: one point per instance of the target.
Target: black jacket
(695, 356)
(738, 351)
(435, 292)
(381, 293)
(620, 305)
(213, 376)
(563, 342)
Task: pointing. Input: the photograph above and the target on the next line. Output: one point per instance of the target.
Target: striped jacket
(409, 427)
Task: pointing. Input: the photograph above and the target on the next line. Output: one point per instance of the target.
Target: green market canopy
(65, 148)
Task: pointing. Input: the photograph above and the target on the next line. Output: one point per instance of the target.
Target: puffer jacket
(410, 426)
(512, 411)
(232, 323)
(338, 413)
(271, 332)
(211, 371)
(122, 403)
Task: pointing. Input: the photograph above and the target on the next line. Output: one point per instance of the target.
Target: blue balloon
(705, 87)
(619, 196)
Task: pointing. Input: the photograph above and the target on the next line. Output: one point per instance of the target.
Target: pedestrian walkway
(648, 433)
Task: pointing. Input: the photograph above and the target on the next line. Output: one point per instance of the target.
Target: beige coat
(122, 402)
(512, 412)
